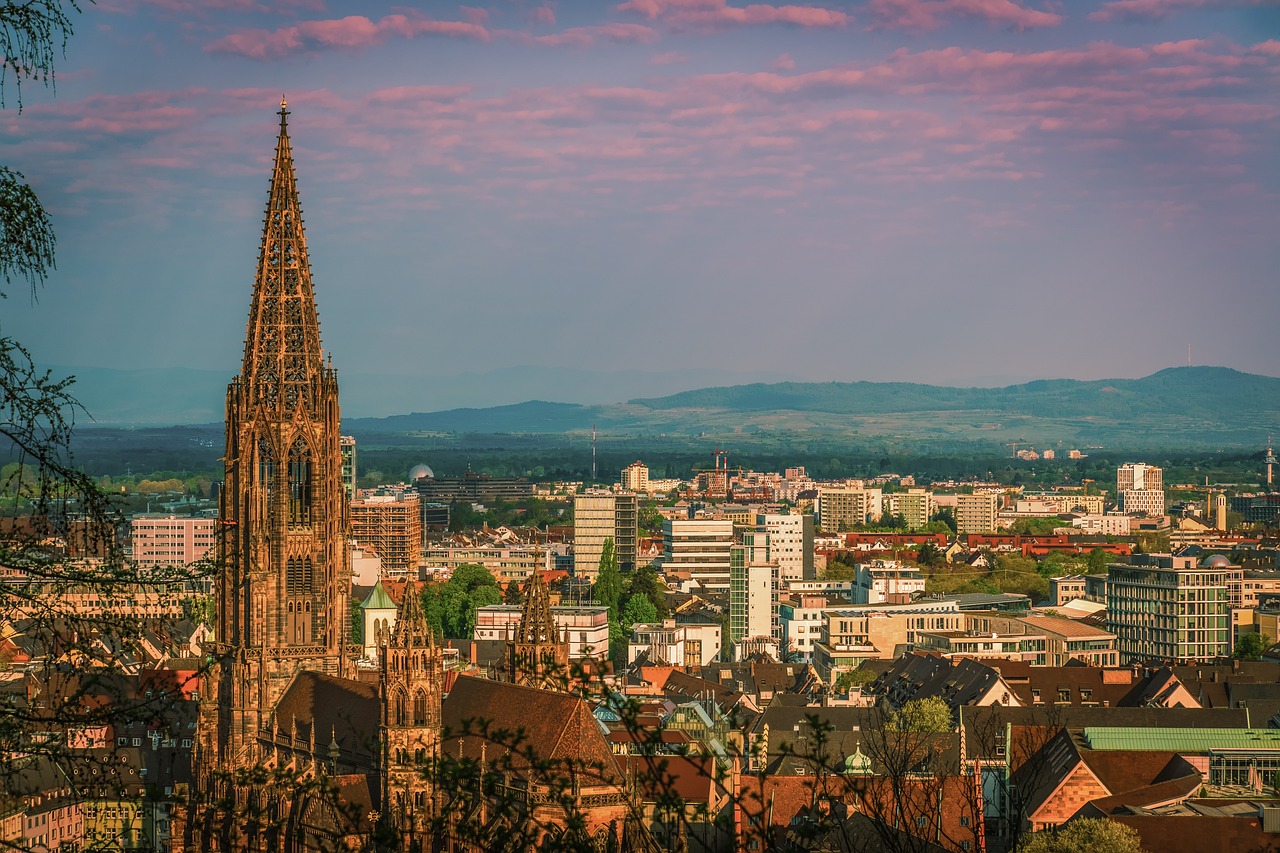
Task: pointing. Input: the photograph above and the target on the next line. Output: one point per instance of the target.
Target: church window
(420, 708)
(398, 709)
(266, 472)
(300, 485)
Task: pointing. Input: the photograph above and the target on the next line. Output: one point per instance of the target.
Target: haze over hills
(1200, 406)
(1193, 406)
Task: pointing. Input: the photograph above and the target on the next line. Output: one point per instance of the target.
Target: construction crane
(1014, 445)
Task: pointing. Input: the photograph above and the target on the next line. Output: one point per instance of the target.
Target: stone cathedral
(294, 752)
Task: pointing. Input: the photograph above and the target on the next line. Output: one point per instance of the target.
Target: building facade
(1171, 608)
(598, 516)
(390, 525)
(976, 513)
(697, 551)
(170, 541)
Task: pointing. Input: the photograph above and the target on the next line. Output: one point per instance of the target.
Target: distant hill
(1202, 406)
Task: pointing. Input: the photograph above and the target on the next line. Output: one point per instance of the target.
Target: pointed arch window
(300, 483)
(266, 471)
(398, 711)
(420, 708)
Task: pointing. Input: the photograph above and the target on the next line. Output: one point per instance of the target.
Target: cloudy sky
(926, 190)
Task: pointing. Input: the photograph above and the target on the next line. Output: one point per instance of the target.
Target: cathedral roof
(509, 719)
(337, 708)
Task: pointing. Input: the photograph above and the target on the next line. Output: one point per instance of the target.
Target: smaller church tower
(538, 655)
(412, 689)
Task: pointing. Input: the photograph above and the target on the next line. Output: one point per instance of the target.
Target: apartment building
(697, 551)
(842, 508)
(753, 589)
(1140, 488)
(675, 643)
(914, 506)
(586, 627)
(635, 477)
(886, 581)
(1169, 608)
(598, 516)
(790, 543)
(976, 513)
(163, 541)
(347, 447)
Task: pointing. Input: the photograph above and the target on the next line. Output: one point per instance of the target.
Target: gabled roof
(378, 599)
(337, 708)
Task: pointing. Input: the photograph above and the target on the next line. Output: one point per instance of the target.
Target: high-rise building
(163, 541)
(348, 445)
(698, 551)
(844, 507)
(1169, 608)
(1140, 488)
(598, 516)
(635, 477)
(391, 526)
(790, 543)
(976, 513)
(284, 576)
(753, 590)
(914, 505)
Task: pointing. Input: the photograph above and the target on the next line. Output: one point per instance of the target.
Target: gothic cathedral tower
(284, 577)
(411, 688)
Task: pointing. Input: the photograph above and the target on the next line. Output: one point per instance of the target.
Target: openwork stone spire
(282, 358)
(412, 630)
(537, 625)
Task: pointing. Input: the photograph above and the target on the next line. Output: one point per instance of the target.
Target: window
(921, 820)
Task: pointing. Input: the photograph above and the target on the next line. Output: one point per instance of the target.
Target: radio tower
(1270, 460)
(593, 453)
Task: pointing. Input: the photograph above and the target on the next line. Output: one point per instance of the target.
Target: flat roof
(1180, 740)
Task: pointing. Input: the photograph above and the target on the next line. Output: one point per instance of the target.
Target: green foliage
(946, 517)
(608, 586)
(639, 610)
(921, 716)
(1250, 646)
(649, 520)
(645, 581)
(1098, 562)
(1019, 575)
(930, 555)
(852, 678)
(1037, 526)
(1086, 835)
(451, 607)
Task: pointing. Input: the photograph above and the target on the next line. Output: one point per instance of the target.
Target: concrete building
(347, 447)
(800, 622)
(886, 582)
(914, 505)
(842, 508)
(1170, 608)
(391, 526)
(849, 636)
(1066, 588)
(171, 541)
(1140, 488)
(976, 513)
(587, 627)
(677, 644)
(697, 551)
(790, 543)
(635, 477)
(598, 516)
(753, 590)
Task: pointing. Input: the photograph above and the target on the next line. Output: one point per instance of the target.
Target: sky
(946, 191)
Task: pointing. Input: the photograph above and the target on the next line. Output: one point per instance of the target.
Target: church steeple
(538, 654)
(282, 358)
(284, 572)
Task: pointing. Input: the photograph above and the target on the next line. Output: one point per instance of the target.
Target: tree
(1086, 835)
(638, 611)
(1098, 561)
(929, 554)
(608, 585)
(923, 716)
(852, 678)
(1250, 646)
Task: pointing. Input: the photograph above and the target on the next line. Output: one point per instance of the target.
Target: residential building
(697, 551)
(170, 541)
(849, 636)
(886, 581)
(800, 622)
(1066, 588)
(347, 447)
(753, 590)
(976, 513)
(1170, 608)
(473, 488)
(685, 645)
(391, 526)
(587, 628)
(842, 508)
(914, 506)
(598, 516)
(790, 543)
(1140, 488)
(635, 477)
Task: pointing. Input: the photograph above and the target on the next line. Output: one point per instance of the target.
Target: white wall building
(676, 644)
(698, 551)
(790, 544)
(588, 627)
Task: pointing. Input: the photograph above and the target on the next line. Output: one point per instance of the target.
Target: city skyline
(657, 182)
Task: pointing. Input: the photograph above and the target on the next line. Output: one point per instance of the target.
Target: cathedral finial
(284, 109)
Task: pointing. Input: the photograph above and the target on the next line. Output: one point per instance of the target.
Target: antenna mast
(593, 452)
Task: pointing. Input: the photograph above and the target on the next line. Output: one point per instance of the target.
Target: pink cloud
(474, 14)
(922, 15)
(351, 33)
(671, 57)
(544, 14)
(783, 62)
(1158, 10)
(718, 13)
(586, 36)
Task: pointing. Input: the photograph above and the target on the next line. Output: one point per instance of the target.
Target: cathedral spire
(282, 358)
(536, 625)
(412, 630)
